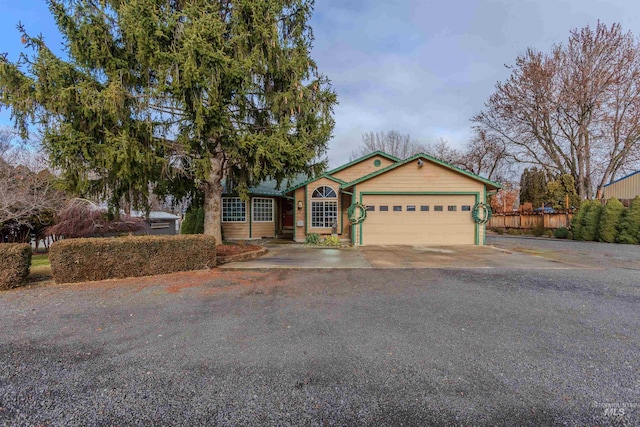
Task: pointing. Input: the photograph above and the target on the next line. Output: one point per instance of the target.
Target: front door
(287, 214)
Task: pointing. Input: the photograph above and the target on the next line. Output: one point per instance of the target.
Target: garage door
(424, 219)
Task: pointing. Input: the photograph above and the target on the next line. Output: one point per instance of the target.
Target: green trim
(295, 216)
(353, 226)
(424, 193)
(368, 156)
(309, 181)
(250, 210)
(306, 211)
(431, 159)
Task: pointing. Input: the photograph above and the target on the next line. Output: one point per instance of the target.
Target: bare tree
(391, 142)
(28, 198)
(574, 111)
(487, 156)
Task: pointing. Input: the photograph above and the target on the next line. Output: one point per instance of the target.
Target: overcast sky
(419, 67)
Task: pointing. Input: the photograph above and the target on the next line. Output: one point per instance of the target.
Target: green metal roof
(427, 157)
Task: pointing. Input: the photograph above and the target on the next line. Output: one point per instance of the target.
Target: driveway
(303, 256)
(325, 347)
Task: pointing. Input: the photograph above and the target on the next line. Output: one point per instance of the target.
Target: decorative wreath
(481, 213)
(357, 213)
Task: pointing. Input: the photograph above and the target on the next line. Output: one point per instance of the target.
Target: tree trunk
(213, 199)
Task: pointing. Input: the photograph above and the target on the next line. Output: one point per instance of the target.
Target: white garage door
(423, 219)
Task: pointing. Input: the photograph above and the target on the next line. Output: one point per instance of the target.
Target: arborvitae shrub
(591, 222)
(629, 226)
(609, 221)
(578, 220)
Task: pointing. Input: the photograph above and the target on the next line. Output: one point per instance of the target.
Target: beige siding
(362, 168)
(419, 227)
(429, 177)
(627, 188)
(346, 227)
(246, 230)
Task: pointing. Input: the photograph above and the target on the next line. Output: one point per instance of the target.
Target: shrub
(538, 230)
(591, 221)
(16, 259)
(331, 241)
(578, 220)
(548, 233)
(629, 226)
(561, 233)
(609, 220)
(312, 239)
(193, 221)
(78, 260)
(514, 232)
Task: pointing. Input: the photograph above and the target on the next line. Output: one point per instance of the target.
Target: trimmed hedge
(15, 261)
(80, 260)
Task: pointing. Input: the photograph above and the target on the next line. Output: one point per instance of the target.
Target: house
(625, 188)
(376, 199)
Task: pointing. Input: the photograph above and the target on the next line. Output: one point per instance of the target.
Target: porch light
(299, 204)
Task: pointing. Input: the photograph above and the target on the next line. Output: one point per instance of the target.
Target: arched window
(324, 207)
(324, 192)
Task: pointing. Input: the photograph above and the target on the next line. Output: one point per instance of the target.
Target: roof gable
(362, 159)
(309, 181)
(485, 181)
(623, 178)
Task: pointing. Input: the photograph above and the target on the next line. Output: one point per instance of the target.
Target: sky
(423, 68)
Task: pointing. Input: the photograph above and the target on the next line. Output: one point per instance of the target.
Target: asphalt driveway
(353, 347)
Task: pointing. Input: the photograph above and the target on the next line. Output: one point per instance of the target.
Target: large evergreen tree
(171, 95)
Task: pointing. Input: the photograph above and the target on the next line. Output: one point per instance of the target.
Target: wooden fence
(530, 220)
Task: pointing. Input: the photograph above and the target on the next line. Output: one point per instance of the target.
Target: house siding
(299, 232)
(362, 168)
(250, 229)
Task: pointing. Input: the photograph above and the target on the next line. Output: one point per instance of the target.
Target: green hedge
(609, 220)
(15, 259)
(629, 226)
(79, 260)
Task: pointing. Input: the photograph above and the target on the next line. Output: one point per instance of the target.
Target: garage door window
(424, 208)
(452, 208)
(437, 208)
(466, 208)
(324, 207)
(397, 208)
(384, 208)
(411, 208)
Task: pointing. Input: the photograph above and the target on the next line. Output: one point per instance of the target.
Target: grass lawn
(40, 268)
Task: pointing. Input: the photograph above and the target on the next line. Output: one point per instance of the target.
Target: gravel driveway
(316, 347)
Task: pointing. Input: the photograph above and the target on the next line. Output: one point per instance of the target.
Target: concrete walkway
(303, 256)
(488, 257)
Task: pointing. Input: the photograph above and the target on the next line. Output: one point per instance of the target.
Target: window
(324, 212)
(262, 210)
(452, 208)
(437, 208)
(424, 208)
(397, 208)
(377, 163)
(233, 210)
(466, 208)
(384, 208)
(411, 208)
(324, 192)
(371, 208)
(160, 224)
